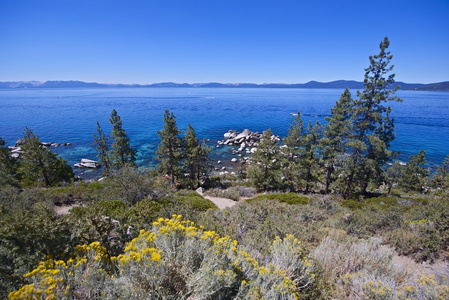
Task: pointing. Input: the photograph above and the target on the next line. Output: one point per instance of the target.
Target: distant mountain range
(339, 84)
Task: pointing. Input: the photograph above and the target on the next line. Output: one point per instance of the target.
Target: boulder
(87, 163)
(230, 134)
(200, 190)
(19, 142)
(243, 135)
(234, 160)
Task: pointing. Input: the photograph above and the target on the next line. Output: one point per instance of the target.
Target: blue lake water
(70, 115)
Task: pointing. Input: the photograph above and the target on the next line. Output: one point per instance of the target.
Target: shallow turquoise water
(70, 115)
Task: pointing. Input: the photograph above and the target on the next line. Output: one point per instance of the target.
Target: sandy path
(221, 202)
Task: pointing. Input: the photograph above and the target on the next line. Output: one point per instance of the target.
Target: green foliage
(121, 152)
(174, 260)
(440, 180)
(413, 175)
(8, 166)
(372, 126)
(293, 153)
(310, 159)
(336, 138)
(289, 198)
(39, 164)
(170, 150)
(197, 162)
(130, 185)
(27, 237)
(265, 168)
(102, 147)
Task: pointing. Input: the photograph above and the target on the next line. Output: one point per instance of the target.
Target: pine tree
(8, 165)
(373, 127)
(40, 164)
(197, 162)
(413, 174)
(310, 160)
(102, 147)
(293, 152)
(336, 137)
(393, 175)
(170, 150)
(440, 180)
(265, 168)
(121, 152)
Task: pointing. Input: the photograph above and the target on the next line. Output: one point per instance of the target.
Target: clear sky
(229, 41)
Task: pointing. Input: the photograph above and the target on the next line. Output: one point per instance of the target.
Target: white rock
(234, 159)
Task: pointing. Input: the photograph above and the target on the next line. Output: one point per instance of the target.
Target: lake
(70, 115)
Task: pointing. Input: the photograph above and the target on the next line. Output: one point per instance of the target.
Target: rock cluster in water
(17, 151)
(87, 164)
(246, 140)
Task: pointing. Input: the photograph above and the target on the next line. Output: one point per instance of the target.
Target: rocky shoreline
(247, 142)
(17, 152)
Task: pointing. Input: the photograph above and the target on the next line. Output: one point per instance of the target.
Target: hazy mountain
(338, 84)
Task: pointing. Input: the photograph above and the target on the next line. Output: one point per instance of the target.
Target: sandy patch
(221, 202)
(64, 209)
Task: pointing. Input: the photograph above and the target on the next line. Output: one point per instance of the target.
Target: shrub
(234, 192)
(194, 200)
(351, 264)
(419, 239)
(173, 260)
(289, 198)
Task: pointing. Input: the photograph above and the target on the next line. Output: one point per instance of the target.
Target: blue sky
(148, 41)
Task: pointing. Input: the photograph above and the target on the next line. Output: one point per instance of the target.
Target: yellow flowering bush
(174, 260)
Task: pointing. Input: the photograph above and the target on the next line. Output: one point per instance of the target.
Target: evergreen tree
(336, 137)
(40, 164)
(440, 180)
(121, 152)
(197, 162)
(8, 165)
(101, 143)
(310, 160)
(293, 151)
(394, 173)
(373, 127)
(413, 174)
(265, 168)
(170, 150)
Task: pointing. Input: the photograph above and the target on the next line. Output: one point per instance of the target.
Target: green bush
(289, 198)
(385, 202)
(175, 260)
(194, 200)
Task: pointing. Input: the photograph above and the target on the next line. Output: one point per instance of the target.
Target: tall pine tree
(197, 162)
(265, 168)
(170, 150)
(39, 164)
(310, 159)
(102, 147)
(335, 139)
(121, 152)
(372, 125)
(292, 153)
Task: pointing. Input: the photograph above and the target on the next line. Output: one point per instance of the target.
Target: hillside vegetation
(326, 214)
